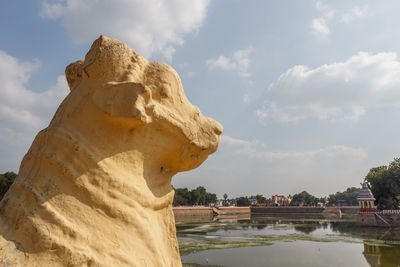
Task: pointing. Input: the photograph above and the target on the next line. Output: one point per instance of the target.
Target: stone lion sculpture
(94, 188)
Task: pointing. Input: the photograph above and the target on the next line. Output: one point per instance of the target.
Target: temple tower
(366, 199)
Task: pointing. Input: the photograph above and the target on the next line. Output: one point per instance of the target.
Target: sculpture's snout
(217, 127)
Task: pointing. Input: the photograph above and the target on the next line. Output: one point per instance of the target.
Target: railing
(368, 210)
(382, 219)
(389, 211)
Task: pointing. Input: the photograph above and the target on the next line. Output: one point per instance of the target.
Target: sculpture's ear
(73, 73)
(123, 99)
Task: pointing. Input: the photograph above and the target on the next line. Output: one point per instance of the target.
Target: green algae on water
(191, 247)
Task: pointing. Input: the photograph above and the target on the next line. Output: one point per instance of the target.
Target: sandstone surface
(94, 188)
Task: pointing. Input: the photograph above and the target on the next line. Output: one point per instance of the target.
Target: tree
(182, 197)
(203, 193)
(303, 198)
(210, 198)
(243, 201)
(259, 198)
(384, 182)
(195, 197)
(198, 196)
(225, 197)
(348, 197)
(6, 180)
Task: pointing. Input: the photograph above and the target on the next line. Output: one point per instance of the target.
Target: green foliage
(198, 196)
(243, 202)
(210, 198)
(6, 180)
(260, 199)
(347, 198)
(225, 203)
(303, 199)
(182, 197)
(384, 182)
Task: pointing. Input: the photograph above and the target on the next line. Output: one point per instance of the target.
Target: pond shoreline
(263, 239)
(202, 213)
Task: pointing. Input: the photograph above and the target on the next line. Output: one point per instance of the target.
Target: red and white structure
(366, 199)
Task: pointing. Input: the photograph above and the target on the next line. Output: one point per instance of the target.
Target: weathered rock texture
(94, 188)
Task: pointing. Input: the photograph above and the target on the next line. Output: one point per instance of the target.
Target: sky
(308, 92)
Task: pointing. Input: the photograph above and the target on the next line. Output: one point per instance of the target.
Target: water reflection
(255, 239)
(308, 228)
(378, 256)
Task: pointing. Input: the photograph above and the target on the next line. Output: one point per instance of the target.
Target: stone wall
(367, 219)
(350, 209)
(392, 218)
(193, 211)
(384, 218)
(182, 213)
(233, 210)
(287, 209)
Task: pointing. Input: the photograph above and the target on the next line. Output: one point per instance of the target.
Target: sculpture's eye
(165, 91)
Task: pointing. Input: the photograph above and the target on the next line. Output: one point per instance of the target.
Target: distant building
(323, 203)
(370, 216)
(366, 199)
(223, 202)
(275, 200)
(253, 201)
(280, 201)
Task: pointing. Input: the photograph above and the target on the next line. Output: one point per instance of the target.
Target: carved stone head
(138, 94)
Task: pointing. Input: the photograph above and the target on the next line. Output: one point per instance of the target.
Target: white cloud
(221, 62)
(356, 13)
(322, 7)
(236, 141)
(261, 113)
(239, 62)
(338, 91)
(252, 167)
(258, 149)
(319, 26)
(151, 26)
(23, 112)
